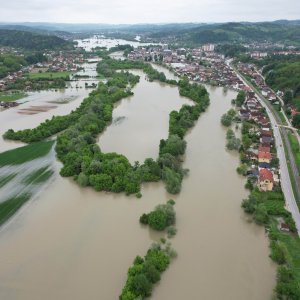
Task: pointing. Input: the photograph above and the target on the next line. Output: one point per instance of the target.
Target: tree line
(83, 159)
(12, 63)
(32, 41)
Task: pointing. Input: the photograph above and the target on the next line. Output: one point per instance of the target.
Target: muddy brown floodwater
(74, 243)
(148, 109)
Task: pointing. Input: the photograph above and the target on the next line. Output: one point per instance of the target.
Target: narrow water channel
(221, 254)
(75, 243)
(142, 120)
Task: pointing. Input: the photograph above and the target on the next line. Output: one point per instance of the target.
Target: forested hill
(31, 41)
(287, 32)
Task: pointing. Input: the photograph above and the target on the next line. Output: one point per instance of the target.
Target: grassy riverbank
(268, 208)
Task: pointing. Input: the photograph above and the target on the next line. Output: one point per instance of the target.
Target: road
(295, 131)
(286, 184)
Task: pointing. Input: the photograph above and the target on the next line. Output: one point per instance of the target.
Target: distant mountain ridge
(283, 31)
(139, 27)
(279, 31)
(31, 40)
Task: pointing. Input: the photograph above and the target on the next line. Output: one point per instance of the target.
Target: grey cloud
(137, 11)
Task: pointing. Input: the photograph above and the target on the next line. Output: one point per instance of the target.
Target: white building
(208, 47)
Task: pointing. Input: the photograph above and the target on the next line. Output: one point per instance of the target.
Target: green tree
(278, 252)
(172, 180)
(261, 215)
(101, 182)
(157, 220)
(141, 285)
(151, 272)
(82, 179)
(296, 121)
(240, 98)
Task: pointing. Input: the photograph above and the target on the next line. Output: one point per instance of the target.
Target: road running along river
(74, 243)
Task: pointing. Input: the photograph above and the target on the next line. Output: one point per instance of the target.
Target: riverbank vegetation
(161, 217)
(268, 208)
(82, 158)
(240, 99)
(108, 66)
(172, 149)
(77, 148)
(233, 143)
(145, 272)
(227, 118)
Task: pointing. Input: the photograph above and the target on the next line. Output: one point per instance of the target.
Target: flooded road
(74, 243)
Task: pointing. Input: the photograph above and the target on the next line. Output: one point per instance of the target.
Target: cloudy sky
(150, 11)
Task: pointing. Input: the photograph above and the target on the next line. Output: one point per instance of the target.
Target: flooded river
(221, 255)
(74, 243)
(101, 41)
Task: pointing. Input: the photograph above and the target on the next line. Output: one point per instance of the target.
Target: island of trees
(83, 159)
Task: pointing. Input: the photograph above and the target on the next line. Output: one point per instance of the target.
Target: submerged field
(8, 96)
(23, 171)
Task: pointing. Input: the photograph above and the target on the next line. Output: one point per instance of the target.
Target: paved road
(286, 185)
(295, 131)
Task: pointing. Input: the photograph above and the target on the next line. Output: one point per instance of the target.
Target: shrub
(157, 220)
(171, 231)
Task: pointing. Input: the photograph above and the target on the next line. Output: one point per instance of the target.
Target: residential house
(264, 149)
(266, 140)
(284, 227)
(264, 157)
(265, 181)
(263, 165)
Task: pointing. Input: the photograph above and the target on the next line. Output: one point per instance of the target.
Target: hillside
(279, 76)
(30, 40)
(285, 76)
(287, 32)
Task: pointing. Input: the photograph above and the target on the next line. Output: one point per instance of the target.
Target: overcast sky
(150, 11)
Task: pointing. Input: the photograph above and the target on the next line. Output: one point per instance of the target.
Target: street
(286, 185)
